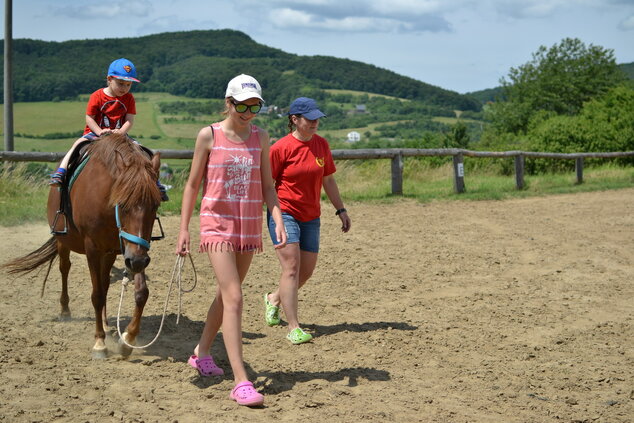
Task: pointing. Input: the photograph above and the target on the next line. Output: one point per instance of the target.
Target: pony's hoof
(125, 346)
(99, 353)
(99, 350)
(64, 316)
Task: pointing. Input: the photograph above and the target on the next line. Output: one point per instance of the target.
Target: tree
(458, 137)
(557, 81)
(604, 124)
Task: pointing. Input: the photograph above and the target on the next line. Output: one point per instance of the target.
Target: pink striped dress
(231, 207)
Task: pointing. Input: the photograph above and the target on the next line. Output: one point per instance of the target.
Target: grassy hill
(198, 64)
(166, 121)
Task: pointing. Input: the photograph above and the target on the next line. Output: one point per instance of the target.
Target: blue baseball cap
(307, 107)
(123, 69)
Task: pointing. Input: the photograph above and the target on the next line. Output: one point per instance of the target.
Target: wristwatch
(338, 212)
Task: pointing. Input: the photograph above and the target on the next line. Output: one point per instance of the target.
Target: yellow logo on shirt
(320, 161)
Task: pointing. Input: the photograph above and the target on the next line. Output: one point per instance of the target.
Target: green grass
(360, 93)
(41, 118)
(370, 180)
(452, 120)
(150, 128)
(23, 196)
(342, 134)
(46, 117)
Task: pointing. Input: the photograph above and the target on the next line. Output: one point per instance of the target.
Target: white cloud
(101, 10)
(627, 24)
(172, 23)
(529, 8)
(353, 15)
(288, 18)
(411, 7)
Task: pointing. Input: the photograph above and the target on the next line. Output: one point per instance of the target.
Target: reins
(176, 277)
(127, 236)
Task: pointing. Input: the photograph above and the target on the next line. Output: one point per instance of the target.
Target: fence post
(458, 173)
(397, 174)
(579, 169)
(519, 171)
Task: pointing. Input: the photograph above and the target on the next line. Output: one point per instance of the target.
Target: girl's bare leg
(230, 269)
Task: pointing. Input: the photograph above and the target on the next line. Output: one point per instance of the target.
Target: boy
(110, 110)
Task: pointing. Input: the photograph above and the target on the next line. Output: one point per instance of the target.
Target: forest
(198, 64)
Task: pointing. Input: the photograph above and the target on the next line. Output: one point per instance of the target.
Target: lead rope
(176, 276)
(180, 262)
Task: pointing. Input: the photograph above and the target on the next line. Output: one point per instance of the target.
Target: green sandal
(271, 312)
(298, 336)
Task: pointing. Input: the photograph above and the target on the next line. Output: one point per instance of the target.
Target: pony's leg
(94, 259)
(141, 293)
(64, 269)
(106, 266)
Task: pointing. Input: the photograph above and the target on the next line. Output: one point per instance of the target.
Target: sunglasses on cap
(242, 108)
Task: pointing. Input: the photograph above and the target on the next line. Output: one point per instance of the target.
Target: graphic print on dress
(238, 176)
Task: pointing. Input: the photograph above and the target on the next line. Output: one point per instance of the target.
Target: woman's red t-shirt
(298, 168)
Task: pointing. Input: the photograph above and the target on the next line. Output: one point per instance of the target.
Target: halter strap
(128, 237)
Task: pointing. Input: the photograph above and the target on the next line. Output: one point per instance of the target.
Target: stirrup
(54, 225)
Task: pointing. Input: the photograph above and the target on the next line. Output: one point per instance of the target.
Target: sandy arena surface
(493, 311)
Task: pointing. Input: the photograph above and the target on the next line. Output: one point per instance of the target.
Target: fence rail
(395, 154)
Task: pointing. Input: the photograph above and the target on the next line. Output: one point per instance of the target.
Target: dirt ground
(492, 311)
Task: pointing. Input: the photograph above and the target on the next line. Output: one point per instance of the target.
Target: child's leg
(64, 162)
(163, 190)
(230, 269)
(212, 325)
(60, 173)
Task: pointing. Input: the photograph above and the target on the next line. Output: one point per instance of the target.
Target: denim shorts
(306, 233)
(92, 136)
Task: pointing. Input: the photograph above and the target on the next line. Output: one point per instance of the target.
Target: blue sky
(460, 45)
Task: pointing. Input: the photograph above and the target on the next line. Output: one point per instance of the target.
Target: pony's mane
(133, 177)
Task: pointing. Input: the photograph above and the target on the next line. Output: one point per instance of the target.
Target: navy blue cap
(123, 69)
(307, 107)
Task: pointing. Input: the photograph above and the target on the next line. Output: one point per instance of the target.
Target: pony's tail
(45, 254)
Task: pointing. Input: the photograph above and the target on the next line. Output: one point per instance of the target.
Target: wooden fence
(395, 154)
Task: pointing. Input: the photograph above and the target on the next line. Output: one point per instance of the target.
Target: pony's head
(134, 192)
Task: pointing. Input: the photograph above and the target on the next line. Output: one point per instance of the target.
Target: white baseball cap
(243, 87)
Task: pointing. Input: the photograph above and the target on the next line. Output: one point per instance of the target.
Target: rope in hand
(180, 262)
(176, 276)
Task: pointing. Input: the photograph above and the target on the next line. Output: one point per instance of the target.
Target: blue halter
(128, 237)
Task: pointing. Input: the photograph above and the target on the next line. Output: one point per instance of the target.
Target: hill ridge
(199, 63)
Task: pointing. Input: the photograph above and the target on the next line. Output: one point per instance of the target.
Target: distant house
(353, 136)
(359, 109)
(270, 109)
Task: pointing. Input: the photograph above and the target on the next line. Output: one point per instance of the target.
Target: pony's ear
(156, 162)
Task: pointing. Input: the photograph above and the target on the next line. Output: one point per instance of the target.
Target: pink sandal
(205, 366)
(245, 394)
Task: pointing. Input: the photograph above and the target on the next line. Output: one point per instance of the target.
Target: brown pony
(116, 185)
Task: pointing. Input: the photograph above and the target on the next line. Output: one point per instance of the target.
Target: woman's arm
(332, 191)
(268, 190)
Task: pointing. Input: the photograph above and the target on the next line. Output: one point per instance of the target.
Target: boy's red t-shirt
(109, 112)
(298, 168)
